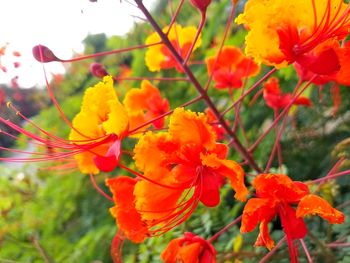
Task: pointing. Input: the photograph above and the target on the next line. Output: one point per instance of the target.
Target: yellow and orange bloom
(183, 166)
(144, 105)
(189, 249)
(276, 194)
(230, 68)
(159, 56)
(99, 128)
(275, 99)
(281, 33)
(95, 136)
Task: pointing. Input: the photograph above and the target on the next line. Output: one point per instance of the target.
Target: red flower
(275, 99)
(276, 194)
(230, 67)
(189, 249)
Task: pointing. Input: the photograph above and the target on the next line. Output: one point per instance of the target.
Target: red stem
(283, 113)
(266, 258)
(250, 90)
(307, 253)
(92, 179)
(199, 30)
(226, 228)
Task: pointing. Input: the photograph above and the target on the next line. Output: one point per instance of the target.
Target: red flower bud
(44, 54)
(201, 4)
(98, 70)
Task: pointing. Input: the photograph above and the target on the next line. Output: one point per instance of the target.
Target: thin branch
(273, 251)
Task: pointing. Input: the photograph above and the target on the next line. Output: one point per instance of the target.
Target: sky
(59, 24)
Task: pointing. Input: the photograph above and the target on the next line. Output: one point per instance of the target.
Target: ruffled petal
(127, 217)
(190, 127)
(313, 204)
(136, 99)
(264, 238)
(154, 151)
(257, 210)
(279, 187)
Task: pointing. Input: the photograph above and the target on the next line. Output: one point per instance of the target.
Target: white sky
(59, 24)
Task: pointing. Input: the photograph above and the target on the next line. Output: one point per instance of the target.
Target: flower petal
(264, 238)
(190, 127)
(154, 202)
(128, 219)
(229, 169)
(257, 210)
(279, 187)
(313, 204)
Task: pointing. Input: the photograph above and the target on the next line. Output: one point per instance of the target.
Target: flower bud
(201, 4)
(98, 70)
(44, 54)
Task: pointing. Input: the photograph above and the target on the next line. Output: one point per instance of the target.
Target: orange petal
(155, 202)
(153, 151)
(231, 170)
(279, 187)
(136, 99)
(264, 238)
(190, 253)
(229, 57)
(313, 204)
(169, 254)
(128, 219)
(257, 210)
(190, 127)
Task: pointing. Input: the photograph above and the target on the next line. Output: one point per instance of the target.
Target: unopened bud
(44, 54)
(201, 4)
(98, 70)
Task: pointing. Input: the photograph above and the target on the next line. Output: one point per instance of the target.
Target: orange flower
(276, 100)
(184, 166)
(159, 57)
(283, 32)
(189, 249)
(144, 105)
(276, 193)
(230, 67)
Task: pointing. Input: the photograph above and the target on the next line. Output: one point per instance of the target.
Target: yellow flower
(159, 57)
(101, 122)
(281, 32)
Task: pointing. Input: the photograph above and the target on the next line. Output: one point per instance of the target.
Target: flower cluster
(180, 158)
